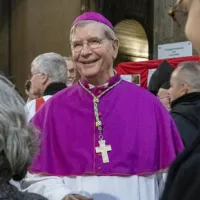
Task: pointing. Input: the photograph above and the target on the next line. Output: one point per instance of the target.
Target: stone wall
(4, 37)
(165, 30)
(39, 26)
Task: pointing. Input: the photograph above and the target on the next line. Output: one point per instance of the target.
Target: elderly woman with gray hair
(17, 143)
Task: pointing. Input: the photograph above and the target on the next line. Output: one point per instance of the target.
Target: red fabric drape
(143, 68)
(39, 102)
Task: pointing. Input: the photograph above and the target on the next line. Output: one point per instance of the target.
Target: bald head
(185, 79)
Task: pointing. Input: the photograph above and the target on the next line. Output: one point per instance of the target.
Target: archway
(133, 41)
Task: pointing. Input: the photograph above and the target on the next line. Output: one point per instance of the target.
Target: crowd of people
(84, 133)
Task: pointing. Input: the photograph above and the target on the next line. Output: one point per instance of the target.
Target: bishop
(142, 134)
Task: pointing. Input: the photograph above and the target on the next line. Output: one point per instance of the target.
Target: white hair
(53, 65)
(108, 32)
(18, 141)
(189, 72)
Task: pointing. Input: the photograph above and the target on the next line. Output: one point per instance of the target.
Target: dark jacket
(183, 182)
(186, 114)
(10, 192)
(53, 88)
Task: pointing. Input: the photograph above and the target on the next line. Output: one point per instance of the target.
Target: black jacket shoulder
(183, 182)
(186, 113)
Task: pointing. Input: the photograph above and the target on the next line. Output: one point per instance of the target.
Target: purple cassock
(142, 134)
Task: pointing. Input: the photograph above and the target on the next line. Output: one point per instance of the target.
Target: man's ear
(45, 78)
(115, 48)
(185, 88)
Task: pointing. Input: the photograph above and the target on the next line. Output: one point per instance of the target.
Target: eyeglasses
(177, 13)
(93, 43)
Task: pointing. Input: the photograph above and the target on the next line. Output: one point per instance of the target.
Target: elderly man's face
(178, 88)
(37, 82)
(97, 53)
(192, 28)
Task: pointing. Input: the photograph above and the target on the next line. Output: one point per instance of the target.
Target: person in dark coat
(160, 77)
(185, 100)
(159, 83)
(18, 143)
(183, 182)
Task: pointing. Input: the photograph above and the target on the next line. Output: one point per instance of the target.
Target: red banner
(142, 68)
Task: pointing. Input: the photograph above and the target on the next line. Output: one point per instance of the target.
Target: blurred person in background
(183, 181)
(48, 76)
(71, 71)
(18, 143)
(159, 83)
(27, 91)
(185, 100)
(163, 95)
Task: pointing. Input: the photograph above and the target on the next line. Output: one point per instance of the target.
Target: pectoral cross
(103, 149)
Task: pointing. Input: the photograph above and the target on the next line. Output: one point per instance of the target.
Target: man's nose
(86, 50)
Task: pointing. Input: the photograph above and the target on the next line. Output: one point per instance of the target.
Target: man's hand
(76, 197)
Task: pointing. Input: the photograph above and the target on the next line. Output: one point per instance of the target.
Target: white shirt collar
(92, 86)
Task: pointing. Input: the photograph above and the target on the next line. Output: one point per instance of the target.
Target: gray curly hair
(18, 141)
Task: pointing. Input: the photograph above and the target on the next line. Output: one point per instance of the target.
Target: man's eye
(94, 41)
(77, 45)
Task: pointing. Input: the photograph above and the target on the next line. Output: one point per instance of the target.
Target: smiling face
(93, 54)
(178, 87)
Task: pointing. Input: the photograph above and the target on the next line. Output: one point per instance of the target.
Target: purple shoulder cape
(142, 134)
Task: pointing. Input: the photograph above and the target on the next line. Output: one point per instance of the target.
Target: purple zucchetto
(94, 16)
